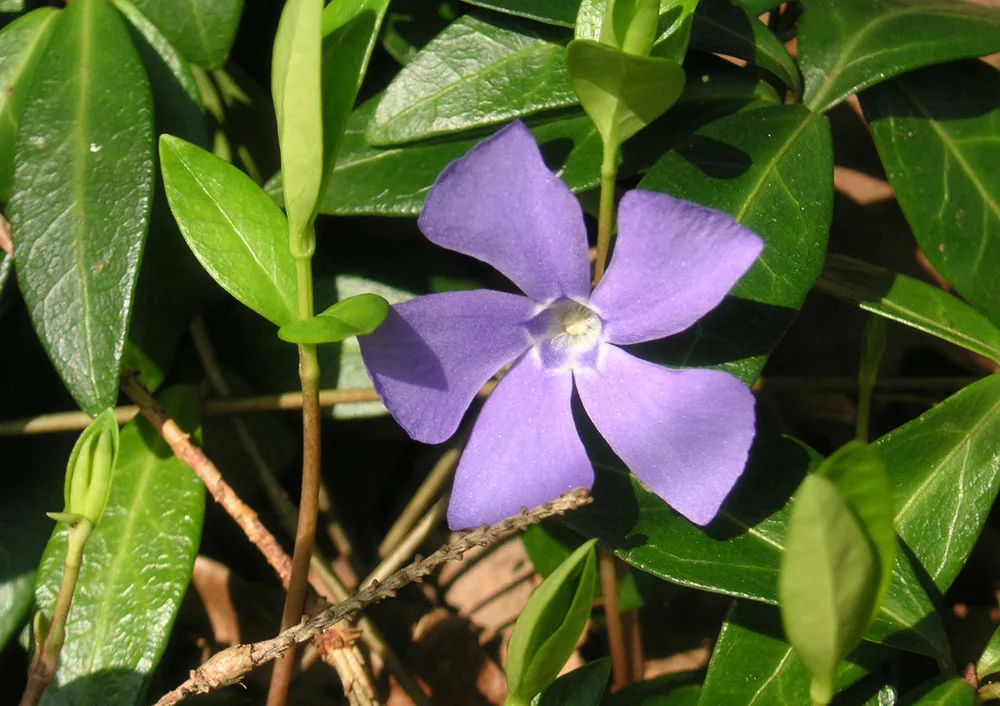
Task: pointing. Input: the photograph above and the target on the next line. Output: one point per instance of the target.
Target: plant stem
(305, 532)
(621, 670)
(43, 667)
(606, 212)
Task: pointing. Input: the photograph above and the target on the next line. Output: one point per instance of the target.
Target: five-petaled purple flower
(684, 433)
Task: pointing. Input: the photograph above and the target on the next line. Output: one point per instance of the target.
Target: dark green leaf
(394, 181)
(296, 89)
(354, 316)
(941, 691)
(846, 46)
(829, 581)
(944, 476)
(740, 551)
(673, 32)
(555, 12)
(550, 625)
(938, 134)
(661, 691)
(136, 567)
(911, 302)
(583, 686)
(722, 27)
(757, 7)
(202, 30)
(82, 193)
(21, 45)
(859, 474)
(475, 73)
(233, 228)
(772, 170)
(752, 645)
(989, 660)
(621, 93)
(350, 30)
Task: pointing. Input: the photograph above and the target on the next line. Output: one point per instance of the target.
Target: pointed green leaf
(202, 30)
(944, 476)
(725, 28)
(751, 644)
(21, 45)
(622, 93)
(912, 302)
(989, 660)
(516, 71)
(550, 625)
(829, 581)
(673, 32)
(772, 170)
(82, 193)
(859, 474)
(847, 46)
(296, 88)
(938, 134)
(354, 316)
(136, 567)
(350, 31)
(941, 691)
(583, 686)
(554, 12)
(236, 232)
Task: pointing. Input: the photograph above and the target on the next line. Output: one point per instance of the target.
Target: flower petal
(524, 449)
(685, 434)
(431, 355)
(673, 262)
(501, 204)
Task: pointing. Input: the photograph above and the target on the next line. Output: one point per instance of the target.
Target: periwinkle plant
(712, 186)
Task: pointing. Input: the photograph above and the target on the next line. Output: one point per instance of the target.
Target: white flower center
(566, 335)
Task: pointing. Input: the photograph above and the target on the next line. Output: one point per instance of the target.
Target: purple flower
(684, 433)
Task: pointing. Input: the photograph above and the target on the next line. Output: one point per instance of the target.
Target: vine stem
(606, 212)
(46, 660)
(305, 531)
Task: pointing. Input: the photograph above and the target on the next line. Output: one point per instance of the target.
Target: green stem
(43, 667)
(606, 213)
(305, 532)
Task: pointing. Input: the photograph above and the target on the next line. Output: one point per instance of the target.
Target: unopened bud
(88, 474)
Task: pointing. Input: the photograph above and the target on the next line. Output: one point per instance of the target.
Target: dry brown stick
(221, 492)
(229, 666)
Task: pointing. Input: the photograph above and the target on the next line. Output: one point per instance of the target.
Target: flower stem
(606, 214)
(620, 667)
(43, 666)
(305, 532)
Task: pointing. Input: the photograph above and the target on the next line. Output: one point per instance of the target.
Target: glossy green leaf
(723, 27)
(6, 267)
(394, 181)
(296, 88)
(752, 645)
(550, 625)
(829, 581)
(136, 567)
(350, 30)
(944, 476)
(672, 33)
(553, 12)
(771, 169)
(912, 302)
(21, 45)
(668, 690)
(202, 30)
(11, 5)
(354, 316)
(622, 93)
(941, 691)
(236, 232)
(938, 134)
(859, 474)
(989, 661)
(583, 686)
(82, 193)
(739, 553)
(847, 46)
(477, 72)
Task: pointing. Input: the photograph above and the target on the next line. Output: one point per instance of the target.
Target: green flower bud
(630, 25)
(88, 474)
